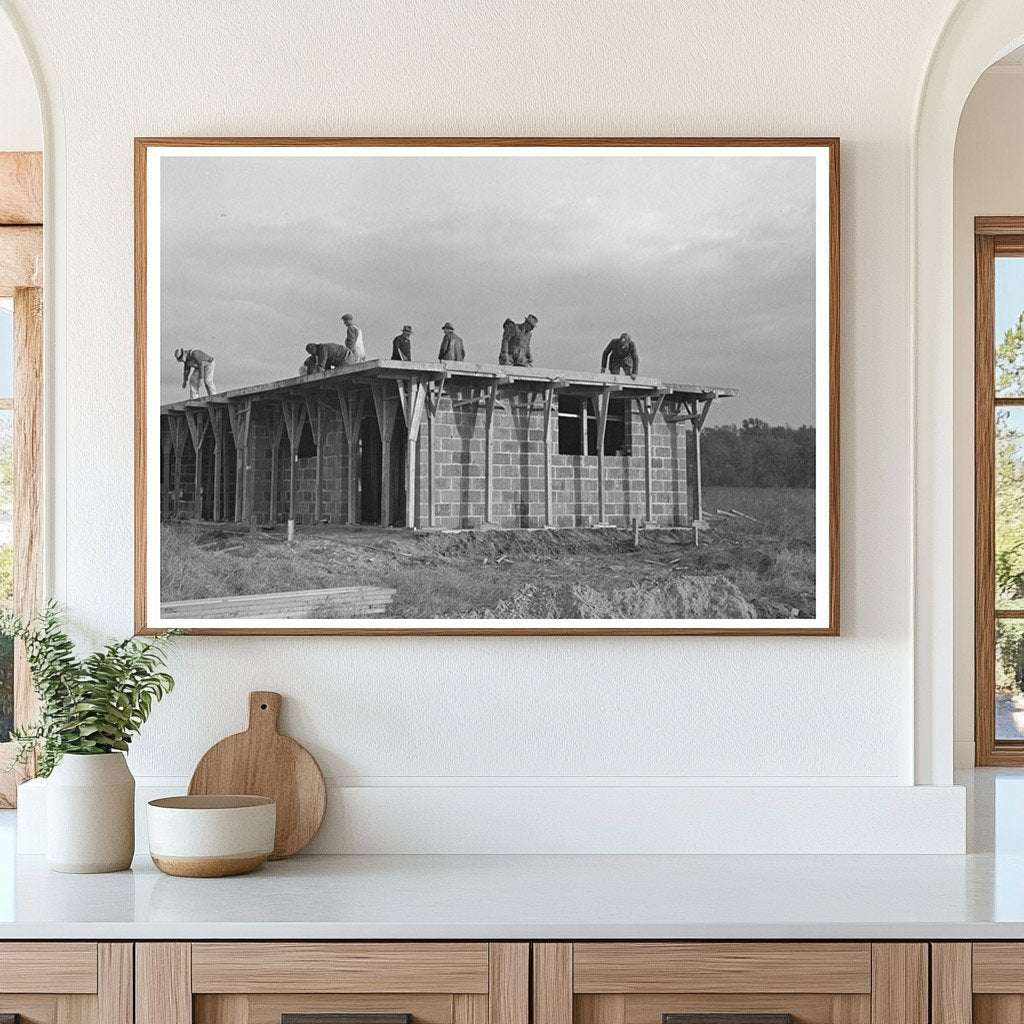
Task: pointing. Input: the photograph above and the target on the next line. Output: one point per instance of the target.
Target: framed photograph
(499, 386)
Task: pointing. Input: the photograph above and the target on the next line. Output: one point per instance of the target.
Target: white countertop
(516, 897)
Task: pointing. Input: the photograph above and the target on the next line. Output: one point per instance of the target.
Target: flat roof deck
(479, 372)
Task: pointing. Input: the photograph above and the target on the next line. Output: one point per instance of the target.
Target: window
(307, 444)
(999, 492)
(578, 421)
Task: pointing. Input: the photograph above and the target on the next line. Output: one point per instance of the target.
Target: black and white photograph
(452, 386)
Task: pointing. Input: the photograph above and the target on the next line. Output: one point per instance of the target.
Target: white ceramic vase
(90, 814)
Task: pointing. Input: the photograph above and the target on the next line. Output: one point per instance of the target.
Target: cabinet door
(730, 983)
(65, 983)
(979, 982)
(332, 983)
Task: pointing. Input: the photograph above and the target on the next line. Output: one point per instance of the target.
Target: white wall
(434, 716)
(21, 127)
(987, 181)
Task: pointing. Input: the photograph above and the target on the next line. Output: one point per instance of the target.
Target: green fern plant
(90, 705)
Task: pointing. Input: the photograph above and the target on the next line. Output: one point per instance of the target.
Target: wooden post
(603, 404)
(294, 414)
(197, 427)
(166, 447)
(351, 404)
(435, 389)
(649, 406)
(549, 446)
(179, 433)
(699, 416)
(315, 414)
(412, 395)
(384, 404)
(276, 432)
(240, 418)
(216, 412)
(489, 402)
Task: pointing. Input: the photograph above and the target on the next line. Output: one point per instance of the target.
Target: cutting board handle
(264, 710)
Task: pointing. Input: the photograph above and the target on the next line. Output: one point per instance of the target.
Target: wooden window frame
(21, 278)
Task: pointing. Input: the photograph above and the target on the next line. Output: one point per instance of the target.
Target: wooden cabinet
(308, 982)
(752, 982)
(66, 982)
(978, 983)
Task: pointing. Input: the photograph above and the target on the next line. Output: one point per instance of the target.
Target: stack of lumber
(335, 602)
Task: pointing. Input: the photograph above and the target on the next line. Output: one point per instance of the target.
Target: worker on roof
(198, 369)
(452, 349)
(521, 354)
(620, 356)
(354, 339)
(328, 356)
(401, 345)
(508, 335)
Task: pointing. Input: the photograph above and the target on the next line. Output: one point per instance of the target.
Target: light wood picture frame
(557, 498)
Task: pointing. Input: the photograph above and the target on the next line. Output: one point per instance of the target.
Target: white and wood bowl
(211, 836)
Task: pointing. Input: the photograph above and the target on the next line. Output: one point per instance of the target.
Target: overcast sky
(707, 261)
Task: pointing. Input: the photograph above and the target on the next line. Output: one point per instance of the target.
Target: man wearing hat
(198, 369)
(354, 339)
(620, 356)
(521, 355)
(401, 346)
(508, 335)
(327, 356)
(452, 348)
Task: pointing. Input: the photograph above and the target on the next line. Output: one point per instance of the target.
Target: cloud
(707, 261)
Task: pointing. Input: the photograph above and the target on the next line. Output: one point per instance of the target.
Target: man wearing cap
(521, 355)
(401, 346)
(508, 336)
(620, 356)
(327, 356)
(354, 339)
(452, 348)
(198, 369)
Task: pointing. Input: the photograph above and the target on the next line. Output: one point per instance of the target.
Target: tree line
(755, 454)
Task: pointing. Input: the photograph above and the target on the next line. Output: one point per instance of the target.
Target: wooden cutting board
(262, 762)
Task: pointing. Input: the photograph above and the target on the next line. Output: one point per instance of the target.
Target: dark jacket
(329, 356)
(618, 356)
(401, 348)
(452, 348)
(194, 359)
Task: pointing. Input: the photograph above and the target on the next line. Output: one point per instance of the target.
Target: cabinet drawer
(332, 983)
(65, 967)
(730, 983)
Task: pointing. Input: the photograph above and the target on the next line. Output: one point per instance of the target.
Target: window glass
(6, 353)
(1009, 510)
(1009, 327)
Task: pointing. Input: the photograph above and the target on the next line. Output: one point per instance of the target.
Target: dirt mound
(689, 597)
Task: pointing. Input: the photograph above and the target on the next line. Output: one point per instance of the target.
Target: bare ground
(756, 567)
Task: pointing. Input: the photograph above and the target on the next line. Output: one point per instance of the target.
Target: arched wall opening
(976, 34)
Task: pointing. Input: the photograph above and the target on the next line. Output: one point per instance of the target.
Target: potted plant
(90, 708)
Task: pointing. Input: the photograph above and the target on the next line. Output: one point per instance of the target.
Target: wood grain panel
(593, 1009)
(21, 258)
(163, 983)
(33, 1009)
(115, 983)
(757, 967)
(805, 1008)
(998, 967)
(339, 967)
(64, 967)
(267, 1009)
(951, 983)
(76, 1009)
(229, 1009)
(469, 1009)
(899, 991)
(508, 992)
(998, 1009)
(21, 188)
(552, 983)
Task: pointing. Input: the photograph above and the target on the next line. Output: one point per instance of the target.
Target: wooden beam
(294, 413)
(21, 258)
(603, 403)
(435, 389)
(549, 453)
(315, 414)
(197, 427)
(385, 403)
(179, 434)
(412, 395)
(166, 448)
(491, 399)
(351, 405)
(21, 188)
(649, 406)
(216, 414)
(240, 418)
(276, 433)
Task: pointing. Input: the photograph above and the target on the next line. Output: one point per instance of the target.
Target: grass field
(758, 565)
